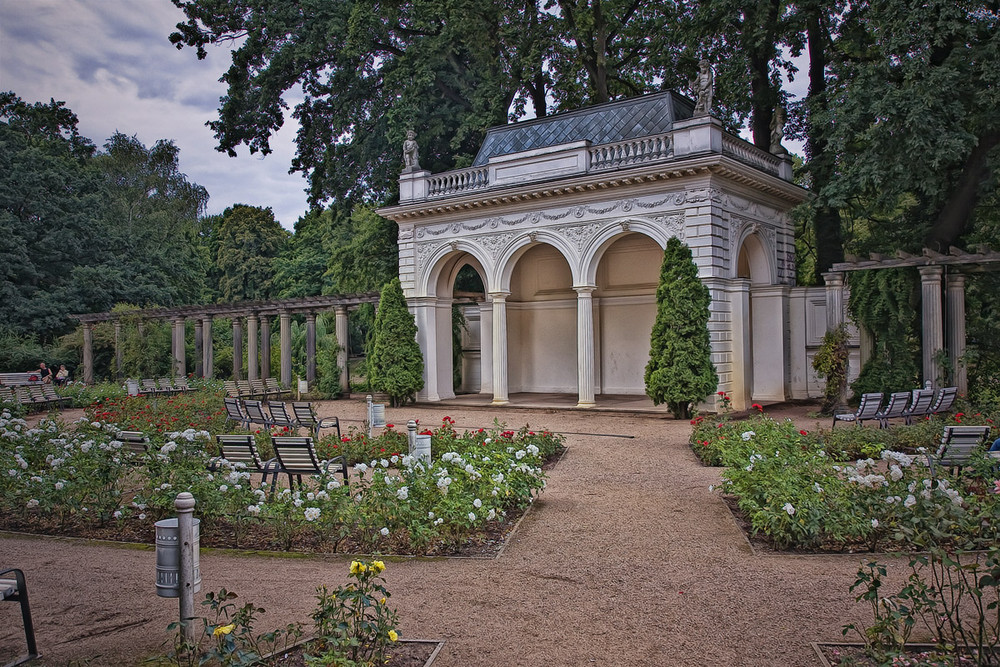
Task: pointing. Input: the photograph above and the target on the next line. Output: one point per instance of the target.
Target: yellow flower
(382, 601)
(223, 630)
(378, 565)
(358, 567)
(393, 635)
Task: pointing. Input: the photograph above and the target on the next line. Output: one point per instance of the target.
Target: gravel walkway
(627, 559)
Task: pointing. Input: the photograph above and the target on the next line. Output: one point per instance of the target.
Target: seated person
(44, 373)
(62, 376)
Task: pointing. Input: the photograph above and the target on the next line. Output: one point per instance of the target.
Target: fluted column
(955, 286)
(265, 347)
(834, 281)
(285, 324)
(932, 329)
(343, 342)
(237, 348)
(119, 356)
(88, 353)
(500, 396)
(180, 361)
(253, 343)
(585, 345)
(486, 346)
(199, 346)
(208, 354)
(310, 348)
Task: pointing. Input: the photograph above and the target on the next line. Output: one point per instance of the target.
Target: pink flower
(996, 486)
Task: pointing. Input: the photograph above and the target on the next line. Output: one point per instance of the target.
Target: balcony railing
(631, 152)
(749, 154)
(457, 181)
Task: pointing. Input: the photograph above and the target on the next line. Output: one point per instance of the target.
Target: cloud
(111, 62)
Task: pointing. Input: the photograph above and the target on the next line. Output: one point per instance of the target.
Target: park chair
(166, 386)
(241, 449)
(148, 386)
(957, 445)
(38, 396)
(134, 441)
(24, 396)
(867, 410)
(297, 456)
(898, 400)
(13, 588)
(281, 417)
(246, 391)
(306, 417)
(232, 391)
(274, 388)
(181, 384)
(255, 413)
(944, 401)
(920, 405)
(234, 413)
(259, 389)
(49, 392)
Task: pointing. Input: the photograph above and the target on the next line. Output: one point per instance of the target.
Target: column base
(586, 404)
(499, 401)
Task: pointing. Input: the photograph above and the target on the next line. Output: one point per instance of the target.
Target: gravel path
(626, 559)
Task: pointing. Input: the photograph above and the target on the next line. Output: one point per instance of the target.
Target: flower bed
(79, 480)
(798, 496)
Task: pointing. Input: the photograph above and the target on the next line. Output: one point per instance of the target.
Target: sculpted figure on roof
(704, 87)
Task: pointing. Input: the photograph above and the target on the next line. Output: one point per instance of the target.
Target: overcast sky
(112, 64)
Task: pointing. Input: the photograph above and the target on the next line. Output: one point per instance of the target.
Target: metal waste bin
(168, 558)
(422, 448)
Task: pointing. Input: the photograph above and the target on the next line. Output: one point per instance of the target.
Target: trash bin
(168, 558)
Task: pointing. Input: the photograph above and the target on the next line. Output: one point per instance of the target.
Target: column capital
(341, 309)
(499, 296)
(311, 316)
(955, 280)
(931, 273)
(584, 290)
(833, 278)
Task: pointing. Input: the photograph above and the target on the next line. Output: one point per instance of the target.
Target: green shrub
(395, 365)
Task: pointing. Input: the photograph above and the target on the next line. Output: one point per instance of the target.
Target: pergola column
(343, 343)
(834, 281)
(310, 348)
(199, 347)
(285, 320)
(265, 347)
(208, 356)
(932, 329)
(180, 361)
(88, 353)
(486, 346)
(585, 345)
(955, 286)
(119, 353)
(253, 369)
(237, 348)
(500, 396)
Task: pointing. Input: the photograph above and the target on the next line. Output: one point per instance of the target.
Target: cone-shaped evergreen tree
(395, 364)
(680, 371)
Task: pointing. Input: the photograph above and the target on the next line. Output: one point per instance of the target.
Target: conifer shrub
(680, 371)
(395, 364)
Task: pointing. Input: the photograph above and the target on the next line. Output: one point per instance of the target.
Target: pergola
(942, 282)
(257, 314)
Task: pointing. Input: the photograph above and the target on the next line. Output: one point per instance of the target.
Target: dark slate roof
(600, 124)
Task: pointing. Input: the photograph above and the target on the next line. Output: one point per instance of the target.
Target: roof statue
(411, 161)
(777, 130)
(703, 85)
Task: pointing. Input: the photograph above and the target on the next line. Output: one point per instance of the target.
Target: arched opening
(541, 323)
(469, 299)
(760, 350)
(624, 310)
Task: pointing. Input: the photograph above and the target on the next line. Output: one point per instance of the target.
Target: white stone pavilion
(565, 219)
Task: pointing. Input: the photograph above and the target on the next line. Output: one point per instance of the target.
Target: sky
(111, 62)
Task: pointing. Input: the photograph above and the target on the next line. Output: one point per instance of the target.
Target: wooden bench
(306, 417)
(234, 412)
(273, 388)
(14, 589)
(296, 456)
(19, 379)
(255, 413)
(241, 449)
(957, 445)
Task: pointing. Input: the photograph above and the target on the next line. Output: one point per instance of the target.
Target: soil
(403, 654)
(626, 559)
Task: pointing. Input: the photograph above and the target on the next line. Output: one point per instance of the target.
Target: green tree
(299, 270)
(367, 257)
(396, 365)
(248, 242)
(680, 371)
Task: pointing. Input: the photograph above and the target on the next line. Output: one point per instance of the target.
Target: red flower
(389, 425)
(758, 407)
(803, 433)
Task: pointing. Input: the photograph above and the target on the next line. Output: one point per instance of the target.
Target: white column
(424, 311)
(486, 347)
(265, 347)
(834, 281)
(208, 358)
(285, 324)
(740, 385)
(180, 362)
(237, 348)
(955, 285)
(310, 348)
(585, 345)
(253, 341)
(343, 340)
(500, 396)
(932, 340)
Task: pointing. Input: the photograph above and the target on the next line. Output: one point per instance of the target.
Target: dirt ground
(626, 559)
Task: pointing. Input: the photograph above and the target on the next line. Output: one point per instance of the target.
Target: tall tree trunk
(826, 220)
(953, 219)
